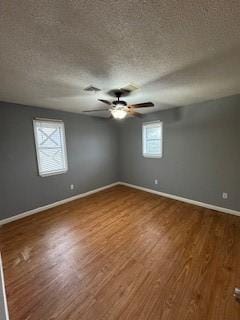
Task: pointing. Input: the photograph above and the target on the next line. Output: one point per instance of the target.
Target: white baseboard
(85, 194)
(197, 203)
(3, 304)
(55, 204)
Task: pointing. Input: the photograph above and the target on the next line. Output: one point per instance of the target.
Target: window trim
(151, 124)
(35, 120)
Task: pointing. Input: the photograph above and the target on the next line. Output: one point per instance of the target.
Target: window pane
(152, 139)
(49, 137)
(153, 146)
(51, 160)
(50, 146)
(153, 133)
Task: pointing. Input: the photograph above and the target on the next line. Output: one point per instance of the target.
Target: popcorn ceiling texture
(178, 52)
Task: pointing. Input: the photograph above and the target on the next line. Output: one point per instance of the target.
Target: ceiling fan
(120, 109)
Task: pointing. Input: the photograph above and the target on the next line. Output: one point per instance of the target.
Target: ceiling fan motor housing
(119, 103)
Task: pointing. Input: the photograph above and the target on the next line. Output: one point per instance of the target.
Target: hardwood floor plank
(122, 254)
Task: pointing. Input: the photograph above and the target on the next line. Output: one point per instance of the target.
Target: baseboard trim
(194, 202)
(55, 204)
(85, 194)
(2, 286)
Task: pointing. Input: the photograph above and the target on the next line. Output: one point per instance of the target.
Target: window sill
(152, 156)
(51, 174)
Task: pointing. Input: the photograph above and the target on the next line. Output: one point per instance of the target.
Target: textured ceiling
(177, 52)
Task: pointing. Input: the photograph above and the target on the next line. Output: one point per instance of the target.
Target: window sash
(146, 140)
(55, 162)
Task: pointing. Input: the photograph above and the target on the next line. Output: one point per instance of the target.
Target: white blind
(152, 139)
(50, 147)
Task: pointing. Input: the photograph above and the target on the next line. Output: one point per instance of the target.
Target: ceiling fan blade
(96, 110)
(135, 114)
(142, 105)
(105, 101)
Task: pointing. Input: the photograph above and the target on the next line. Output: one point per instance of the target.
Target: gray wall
(201, 152)
(92, 158)
(200, 160)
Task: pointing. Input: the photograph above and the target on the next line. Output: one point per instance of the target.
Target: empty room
(120, 160)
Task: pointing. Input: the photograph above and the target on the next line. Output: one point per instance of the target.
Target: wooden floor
(123, 254)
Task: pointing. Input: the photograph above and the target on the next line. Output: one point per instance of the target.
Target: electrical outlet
(224, 195)
(156, 181)
(71, 186)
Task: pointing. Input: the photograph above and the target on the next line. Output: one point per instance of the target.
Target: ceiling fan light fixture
(119, 108)
(118, 113)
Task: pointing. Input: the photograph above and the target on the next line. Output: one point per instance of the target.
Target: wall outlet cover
(224, 195)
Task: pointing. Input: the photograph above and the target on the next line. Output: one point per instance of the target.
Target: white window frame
(56, 172)
(146, 125)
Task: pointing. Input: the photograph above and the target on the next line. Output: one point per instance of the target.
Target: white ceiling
(177, 52)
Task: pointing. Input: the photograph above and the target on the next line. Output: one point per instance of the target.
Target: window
(50, 146)
(152, 139)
